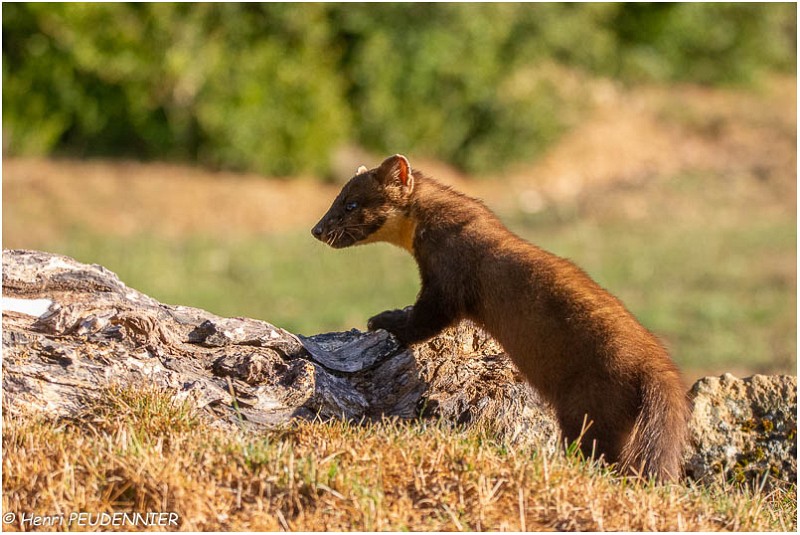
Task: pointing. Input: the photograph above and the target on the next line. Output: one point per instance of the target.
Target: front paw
(390, 320)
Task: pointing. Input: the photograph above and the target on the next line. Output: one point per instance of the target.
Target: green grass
(289, 280)
(720, 297)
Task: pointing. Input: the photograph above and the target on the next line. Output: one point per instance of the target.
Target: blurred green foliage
(276, 88)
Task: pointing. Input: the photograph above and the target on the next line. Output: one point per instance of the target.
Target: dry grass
(137, 451)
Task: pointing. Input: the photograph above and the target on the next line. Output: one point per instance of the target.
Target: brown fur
(573, 341)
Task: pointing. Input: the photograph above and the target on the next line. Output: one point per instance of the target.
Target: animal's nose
(317, 231)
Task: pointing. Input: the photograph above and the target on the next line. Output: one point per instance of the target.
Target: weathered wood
(241, 371)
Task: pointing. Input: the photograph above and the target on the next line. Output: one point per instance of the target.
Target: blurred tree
(436, 80)
(275, 88)
(705, 42)
(240, 86)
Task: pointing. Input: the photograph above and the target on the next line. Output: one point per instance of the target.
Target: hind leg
(596, 438)
(601, 421)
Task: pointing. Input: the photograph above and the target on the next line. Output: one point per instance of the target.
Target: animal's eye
(352, 205)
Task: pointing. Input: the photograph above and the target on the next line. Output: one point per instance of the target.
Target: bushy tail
(656, 444)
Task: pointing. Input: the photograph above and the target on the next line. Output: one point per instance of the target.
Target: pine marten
(572, 340)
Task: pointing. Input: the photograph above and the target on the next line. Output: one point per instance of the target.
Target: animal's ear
(361, 169)
(396, 171)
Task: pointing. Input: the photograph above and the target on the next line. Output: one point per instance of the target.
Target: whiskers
(339, 233)
(334, 236)
(350, 234)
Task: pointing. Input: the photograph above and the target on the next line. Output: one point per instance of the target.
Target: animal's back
(580, 347)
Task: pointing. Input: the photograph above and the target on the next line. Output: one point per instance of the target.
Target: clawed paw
(390, 320)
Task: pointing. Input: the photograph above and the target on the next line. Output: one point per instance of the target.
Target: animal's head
(372, 206)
